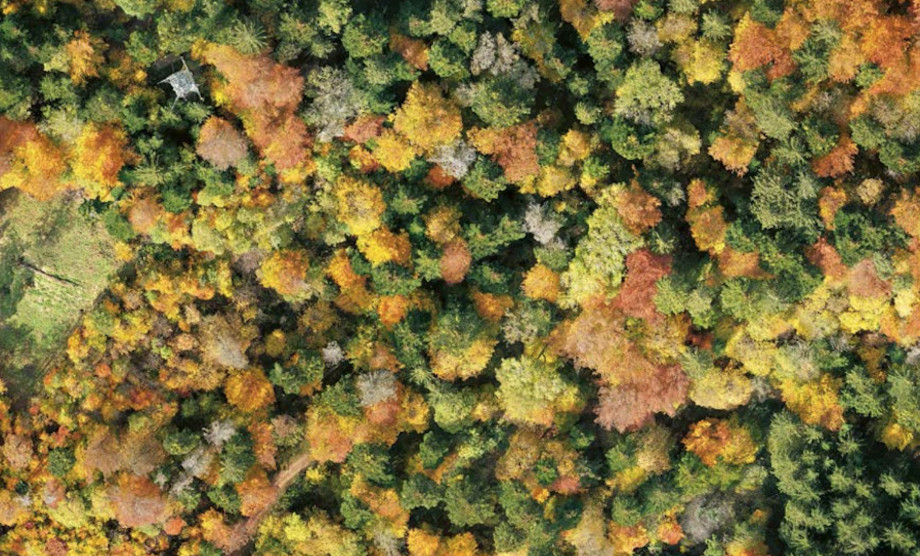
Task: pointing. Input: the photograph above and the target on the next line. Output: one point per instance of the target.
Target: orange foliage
(256, 492)
(249, 390)
(265, 95)
(735, 264)
(670, 531)
(438, 178)
(13, 135)
(716, 440)
(355, 296)
(364, 128)
(755, 46)
(637, 293)
(329, 435)
(823, 255)
(698, 194)
(144, 214)
(263, 442)
(490, 306)
(632, 405)
(633, 386)
(455, 261)
(392, 309)
(12, 510)
(220, 143)
(17, 450)
(886, 40)
(413, 51)
(638, 209)
(513, 148)
(864, 281)
(98, 156)
(905, 211)
(621, 9)
(830, 200)
(137, 501)
(837, 162)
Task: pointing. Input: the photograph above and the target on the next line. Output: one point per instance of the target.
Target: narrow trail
(243, 531)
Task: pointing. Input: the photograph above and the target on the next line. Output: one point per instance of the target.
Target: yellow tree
(98, 156)
(426, 118)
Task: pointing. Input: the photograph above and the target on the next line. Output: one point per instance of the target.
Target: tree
(534, 391)
(265, 95)
(137, 501)
(30, 161)
(286, 273)
(98, 156)
(249, 390)
(220, 143)
(426, 118)
(647, 96)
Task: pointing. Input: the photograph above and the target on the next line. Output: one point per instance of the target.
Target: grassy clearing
(71, 258)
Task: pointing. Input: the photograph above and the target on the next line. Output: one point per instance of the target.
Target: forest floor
(71, 258)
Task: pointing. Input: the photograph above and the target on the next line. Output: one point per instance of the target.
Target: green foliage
(833, 502)
(660, 208)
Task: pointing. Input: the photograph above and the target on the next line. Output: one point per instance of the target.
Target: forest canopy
(460, 277)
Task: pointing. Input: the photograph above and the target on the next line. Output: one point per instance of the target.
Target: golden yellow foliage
(423, 543)
(442, 224)
(98, 157)
(393, 152)
(816, 402)
(541, 282)
(718, 440)
(464, 364)
(383, 246)
(285, 272)
(249, 390)
(426, 118)
(360, 205)
(392, 309)
(490, 306)
(84, 53)
(708, 228)
(35, 168)
(576, 146)
(701, 61)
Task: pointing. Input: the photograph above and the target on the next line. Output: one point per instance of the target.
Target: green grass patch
(68, 258)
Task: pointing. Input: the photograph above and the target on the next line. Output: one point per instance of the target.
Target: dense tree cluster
(462, 277)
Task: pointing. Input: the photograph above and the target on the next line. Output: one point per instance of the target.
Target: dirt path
(243, 532)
